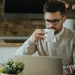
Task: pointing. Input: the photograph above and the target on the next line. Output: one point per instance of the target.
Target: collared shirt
(57, 36)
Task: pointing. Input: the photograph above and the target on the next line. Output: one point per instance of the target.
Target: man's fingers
(41, 37)
(39, 34)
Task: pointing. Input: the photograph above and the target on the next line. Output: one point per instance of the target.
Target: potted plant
(12, 67)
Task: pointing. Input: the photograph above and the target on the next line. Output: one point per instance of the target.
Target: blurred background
(19, 18)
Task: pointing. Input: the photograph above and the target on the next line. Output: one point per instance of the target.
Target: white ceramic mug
(49, 34)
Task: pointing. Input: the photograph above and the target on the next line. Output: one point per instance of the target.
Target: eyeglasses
(54, 22)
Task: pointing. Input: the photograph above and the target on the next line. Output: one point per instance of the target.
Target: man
(64, 47)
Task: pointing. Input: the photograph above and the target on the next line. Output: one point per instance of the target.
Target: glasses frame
(54, 22)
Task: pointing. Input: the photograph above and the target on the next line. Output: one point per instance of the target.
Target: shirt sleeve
(28, 48)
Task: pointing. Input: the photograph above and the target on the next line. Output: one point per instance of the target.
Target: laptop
(40, 65)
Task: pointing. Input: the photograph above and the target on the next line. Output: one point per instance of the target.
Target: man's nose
(51, 25)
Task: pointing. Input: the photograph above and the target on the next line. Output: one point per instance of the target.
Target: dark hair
(54, 6)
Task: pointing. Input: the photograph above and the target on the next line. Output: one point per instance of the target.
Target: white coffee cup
(49, 34)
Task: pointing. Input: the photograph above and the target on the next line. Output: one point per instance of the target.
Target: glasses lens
(56, 21)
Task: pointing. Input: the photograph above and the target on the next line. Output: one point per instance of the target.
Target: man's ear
(64, 19)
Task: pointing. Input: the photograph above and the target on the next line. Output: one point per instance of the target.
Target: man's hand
(38, 35)
(66, 72)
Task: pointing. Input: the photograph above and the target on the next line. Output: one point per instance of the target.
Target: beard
(57, 31)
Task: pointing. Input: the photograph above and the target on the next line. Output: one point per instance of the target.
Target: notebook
(40, 65)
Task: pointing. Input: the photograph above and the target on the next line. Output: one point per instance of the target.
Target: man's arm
(28, 48)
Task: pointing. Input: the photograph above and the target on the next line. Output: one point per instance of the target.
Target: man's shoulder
(70, 31)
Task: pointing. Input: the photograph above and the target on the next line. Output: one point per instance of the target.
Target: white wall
(8, 52)
(70, 23)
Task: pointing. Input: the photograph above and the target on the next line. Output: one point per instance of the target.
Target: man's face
(54, 20)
